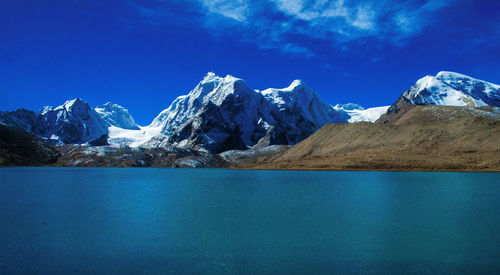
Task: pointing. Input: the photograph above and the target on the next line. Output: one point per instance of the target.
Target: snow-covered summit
(289, 95)
(72, 122)
(453, 89)
(212, 89)
(116, 115)
(223, 113)
(301, 98)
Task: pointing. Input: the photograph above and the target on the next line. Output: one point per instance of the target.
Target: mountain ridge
(223, 113)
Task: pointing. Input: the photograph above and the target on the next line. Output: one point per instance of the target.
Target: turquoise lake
(218, 221)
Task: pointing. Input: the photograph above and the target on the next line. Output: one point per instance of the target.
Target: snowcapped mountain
(116, 115)
(357, 113)
(453, 89)
(448, 89)
(72, 122)
(223, 113)
(297, 112)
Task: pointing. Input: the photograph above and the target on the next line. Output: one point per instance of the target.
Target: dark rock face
(19, 147)
(20, 118)
(397, 110)
(100, 141)
(210, 131)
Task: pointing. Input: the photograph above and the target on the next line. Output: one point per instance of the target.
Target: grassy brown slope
(423, 138)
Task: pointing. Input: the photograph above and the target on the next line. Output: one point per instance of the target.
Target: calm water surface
(216, 221)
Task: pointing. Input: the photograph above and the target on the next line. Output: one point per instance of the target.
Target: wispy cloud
(236, 10)
(297, 49)
(290, 25)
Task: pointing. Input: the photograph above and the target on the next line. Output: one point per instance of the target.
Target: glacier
(117, 116)
(358, 114)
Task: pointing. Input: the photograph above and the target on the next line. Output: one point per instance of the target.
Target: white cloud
(235, 10)
(296, 49)
(364, 18)
(276, 24)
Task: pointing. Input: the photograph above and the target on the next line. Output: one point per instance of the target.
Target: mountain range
(219, 114)
(223, 114)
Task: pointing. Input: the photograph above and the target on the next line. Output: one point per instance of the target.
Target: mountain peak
(449, 74)
(77, 102)
(211, 77)
(453, 89)
(69, 105)
(296, 84)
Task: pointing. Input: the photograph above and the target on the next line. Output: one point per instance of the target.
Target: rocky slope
(109, 156)
(19, 147)
(422, 138)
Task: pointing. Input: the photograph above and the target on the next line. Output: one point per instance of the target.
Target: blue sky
(143, 54)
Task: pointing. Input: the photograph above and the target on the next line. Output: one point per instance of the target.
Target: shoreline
(269, 169)
(366, 170)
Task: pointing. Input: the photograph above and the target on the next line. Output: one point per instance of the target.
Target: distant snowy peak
(288, 96)
(453, 89)
(72, 122)
(116, 115)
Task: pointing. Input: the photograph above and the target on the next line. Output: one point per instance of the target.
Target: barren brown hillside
(420, 138)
